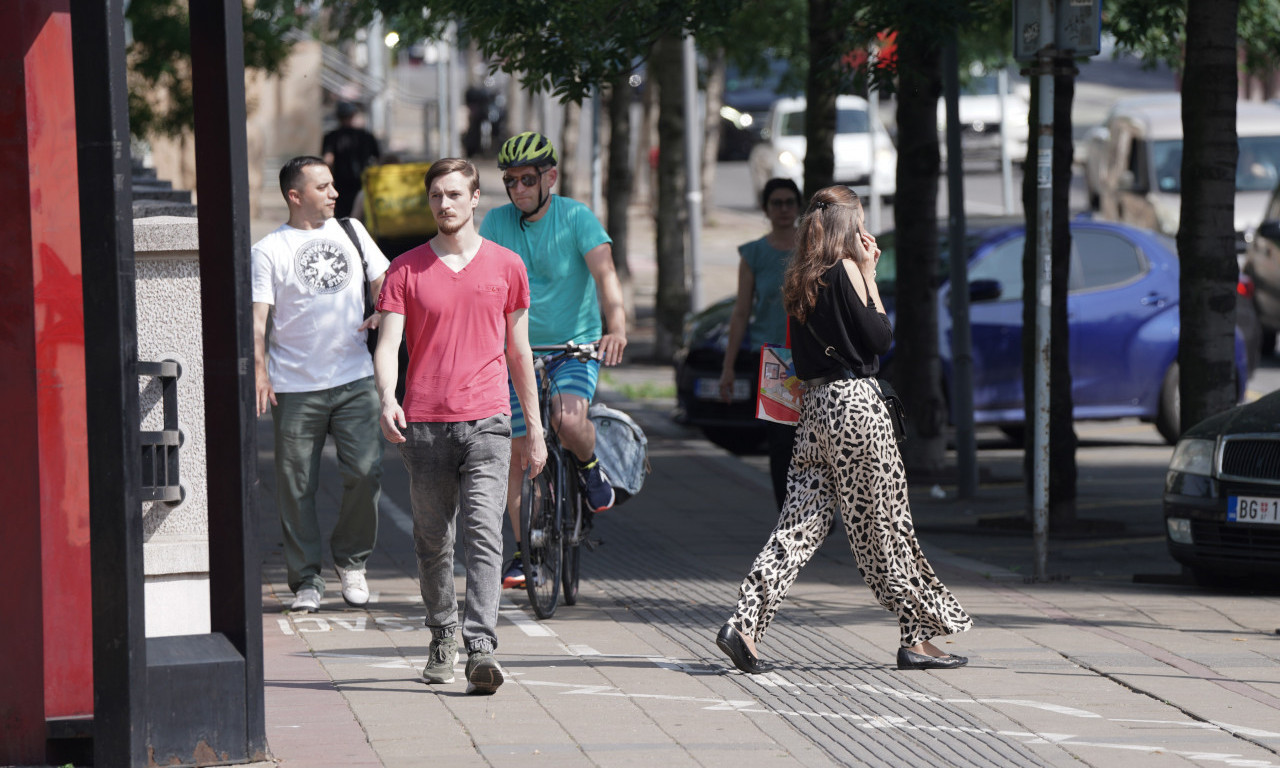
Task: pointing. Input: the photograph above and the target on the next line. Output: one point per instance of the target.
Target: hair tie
(821, 205)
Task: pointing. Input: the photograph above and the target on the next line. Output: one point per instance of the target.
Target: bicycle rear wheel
(540, 540)
(574, 532)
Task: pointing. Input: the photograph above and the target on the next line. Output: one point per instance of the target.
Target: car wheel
(1267, 343)
(1168, 417)
(739, 440)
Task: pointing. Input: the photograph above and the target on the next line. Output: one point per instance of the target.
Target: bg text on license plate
(1253, 509)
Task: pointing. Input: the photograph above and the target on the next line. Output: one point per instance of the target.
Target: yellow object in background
(395, 201)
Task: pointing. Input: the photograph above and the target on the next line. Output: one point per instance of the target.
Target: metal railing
(160, 479)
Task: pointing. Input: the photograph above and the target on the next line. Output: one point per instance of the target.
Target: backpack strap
(364, 265)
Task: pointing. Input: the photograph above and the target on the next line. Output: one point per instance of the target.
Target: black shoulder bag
(897, 414)
(364, 280)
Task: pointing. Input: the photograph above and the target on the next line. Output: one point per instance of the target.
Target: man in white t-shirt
(317, 378)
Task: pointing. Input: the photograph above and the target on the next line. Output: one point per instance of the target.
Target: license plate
(1253, 509)
(709, 389)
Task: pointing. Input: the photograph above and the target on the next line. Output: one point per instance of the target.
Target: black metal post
(222, 172)
(111, 349)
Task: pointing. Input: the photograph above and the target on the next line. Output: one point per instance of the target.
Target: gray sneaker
(443, 655)
(483, 673)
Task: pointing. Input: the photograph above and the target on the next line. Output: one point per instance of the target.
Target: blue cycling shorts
(569, 376)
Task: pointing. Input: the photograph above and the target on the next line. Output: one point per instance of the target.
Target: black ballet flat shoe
(912, 660)
(736, 649)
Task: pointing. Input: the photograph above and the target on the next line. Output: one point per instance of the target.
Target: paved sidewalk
(1086, 670)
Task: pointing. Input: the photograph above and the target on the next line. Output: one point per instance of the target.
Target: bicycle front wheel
(540, 541)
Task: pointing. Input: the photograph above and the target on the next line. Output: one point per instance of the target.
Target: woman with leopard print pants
(845, 457)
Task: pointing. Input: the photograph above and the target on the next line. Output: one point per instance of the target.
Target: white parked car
(980, 112)
(1092, 149)
(782, 152)
(1141, 178)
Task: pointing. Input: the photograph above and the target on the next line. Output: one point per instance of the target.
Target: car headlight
(787, 159)
(1193, 456)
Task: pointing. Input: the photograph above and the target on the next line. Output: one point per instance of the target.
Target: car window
(887, 266)
(1004, 265)
(1101, 259)
(1167, 156)
(1258, 165)
(847, 121)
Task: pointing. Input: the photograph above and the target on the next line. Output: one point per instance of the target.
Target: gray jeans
(458, 474)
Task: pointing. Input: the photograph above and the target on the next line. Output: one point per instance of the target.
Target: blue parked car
(1123, 309)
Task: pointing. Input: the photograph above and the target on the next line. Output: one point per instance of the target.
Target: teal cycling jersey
(563, 302)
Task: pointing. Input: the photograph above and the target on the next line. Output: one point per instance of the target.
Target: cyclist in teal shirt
(572, 282)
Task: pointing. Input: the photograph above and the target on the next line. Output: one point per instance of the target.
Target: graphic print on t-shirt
(323, 266)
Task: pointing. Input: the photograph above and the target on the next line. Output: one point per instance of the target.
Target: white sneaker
(306, 600)
(355, 590)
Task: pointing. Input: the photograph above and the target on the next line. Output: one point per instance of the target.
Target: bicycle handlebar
(583, 352)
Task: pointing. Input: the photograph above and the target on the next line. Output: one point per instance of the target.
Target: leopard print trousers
(846, 459)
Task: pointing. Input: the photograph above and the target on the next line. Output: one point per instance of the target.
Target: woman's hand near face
(872, 253)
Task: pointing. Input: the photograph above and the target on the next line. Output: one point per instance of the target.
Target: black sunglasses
(528, 180)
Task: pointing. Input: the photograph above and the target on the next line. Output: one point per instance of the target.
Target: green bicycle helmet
(528, 148)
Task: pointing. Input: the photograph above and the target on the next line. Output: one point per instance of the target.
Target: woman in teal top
(759, 302)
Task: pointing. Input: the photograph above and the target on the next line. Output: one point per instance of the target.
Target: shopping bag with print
(780, 391)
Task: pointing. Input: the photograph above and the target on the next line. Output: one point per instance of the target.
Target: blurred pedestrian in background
(348, 149)
(759, 302)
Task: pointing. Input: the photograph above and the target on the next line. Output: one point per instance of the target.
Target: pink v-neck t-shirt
(456, 330)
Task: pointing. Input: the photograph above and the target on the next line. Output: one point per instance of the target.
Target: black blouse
(860, 333)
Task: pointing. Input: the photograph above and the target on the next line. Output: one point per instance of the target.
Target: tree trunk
(711, 126)
(1206, 235)
(917, 370)
(570, 138)
(821, 88)
(618, 189)
(673, 299)
(1062, 467)
(1062, 424)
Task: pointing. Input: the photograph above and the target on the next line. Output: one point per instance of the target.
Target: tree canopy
(159, 58)
(1157, 29)
(563, 47)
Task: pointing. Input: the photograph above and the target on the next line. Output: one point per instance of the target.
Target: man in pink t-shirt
(461, 302)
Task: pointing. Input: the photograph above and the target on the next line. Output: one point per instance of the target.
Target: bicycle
(553, 525)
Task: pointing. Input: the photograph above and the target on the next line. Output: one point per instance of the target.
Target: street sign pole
(1044, 302)
(1043, 30)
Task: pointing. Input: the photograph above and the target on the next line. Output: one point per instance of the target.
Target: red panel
(60, 380)
(21, 645)
(47, 640)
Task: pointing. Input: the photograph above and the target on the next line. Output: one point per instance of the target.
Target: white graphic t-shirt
(312, 279)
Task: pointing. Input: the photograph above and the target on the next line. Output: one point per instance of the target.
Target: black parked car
(1222, 493)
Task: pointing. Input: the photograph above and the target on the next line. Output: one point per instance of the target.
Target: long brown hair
(828, 233)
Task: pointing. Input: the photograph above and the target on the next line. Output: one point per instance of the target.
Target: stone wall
(176, 535)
